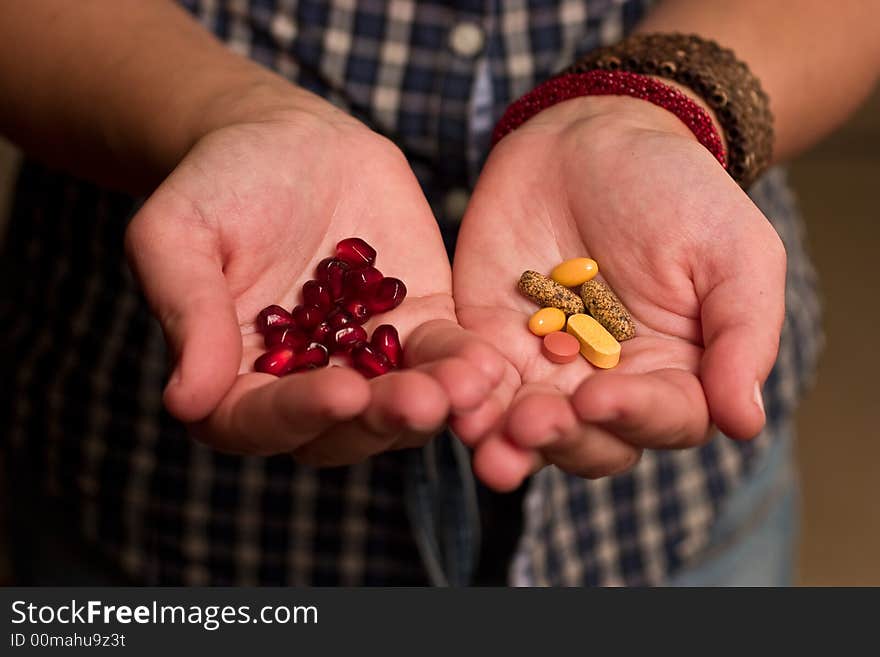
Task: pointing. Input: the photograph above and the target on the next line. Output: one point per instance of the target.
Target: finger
(545, 420)
(474, 426)
(406, 408)
(262, 415)
(663, 409)
(743, 306)
(501, 465)
(592, 453)
(182, 277)
(499, 461)
(539, 416)
(440, 338)
(465, 386)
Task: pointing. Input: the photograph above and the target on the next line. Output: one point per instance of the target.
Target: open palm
(241, 224)
(698, 266)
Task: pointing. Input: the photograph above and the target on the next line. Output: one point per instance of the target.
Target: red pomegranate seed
(331, 272)
(321, 269)
(346, 337)
(322, 333)
(360, 283)
(317, 294)
(315, 356)
(389, 294)
(278, 361)
(339, 318)
(289, 336)
(355, 252)
(358, 310)
(369, 362)
(386, 341)
(357, 345)
(273, 316)
(308, 317)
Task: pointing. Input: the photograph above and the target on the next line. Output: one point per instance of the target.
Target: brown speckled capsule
(606, 308)
(548, 293)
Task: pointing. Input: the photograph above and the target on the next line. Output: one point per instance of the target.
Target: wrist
(701, 102)
(242, 94)
(261, 97)
(639, 99)
(621, 110)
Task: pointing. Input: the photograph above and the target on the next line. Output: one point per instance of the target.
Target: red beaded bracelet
(612, 83)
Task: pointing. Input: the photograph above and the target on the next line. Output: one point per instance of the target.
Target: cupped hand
(240, 224)
(699, 267)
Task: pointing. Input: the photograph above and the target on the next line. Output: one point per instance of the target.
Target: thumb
(179, 266)
(742, 310)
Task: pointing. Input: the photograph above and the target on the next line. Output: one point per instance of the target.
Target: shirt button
(455, 204)
(283, 29)
(466, 39)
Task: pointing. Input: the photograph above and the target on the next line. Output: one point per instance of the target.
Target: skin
(703, 277)
(703, 274)
(257, 180)
(255, 177)
(237, 226)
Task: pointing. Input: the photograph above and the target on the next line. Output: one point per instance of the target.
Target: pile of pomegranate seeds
(347, 290)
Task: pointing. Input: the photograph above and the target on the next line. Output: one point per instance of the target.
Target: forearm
(816, 60)
(119, 90)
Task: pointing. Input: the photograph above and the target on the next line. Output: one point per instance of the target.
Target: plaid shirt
(86, 361)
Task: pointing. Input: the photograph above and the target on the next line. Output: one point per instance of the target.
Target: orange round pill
(561, 347)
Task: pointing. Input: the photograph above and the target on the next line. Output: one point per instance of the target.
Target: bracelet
(608, 83)
(713, 73)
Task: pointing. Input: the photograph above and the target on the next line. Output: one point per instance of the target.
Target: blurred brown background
(839, 442)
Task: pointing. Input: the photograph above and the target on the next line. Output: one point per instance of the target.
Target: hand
(240, 224)
(698, 266)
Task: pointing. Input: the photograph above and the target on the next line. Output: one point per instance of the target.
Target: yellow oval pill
(597, 345)
(547, 320)
(576, 271)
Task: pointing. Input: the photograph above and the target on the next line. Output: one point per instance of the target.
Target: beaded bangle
(613, 83)
(713, 73)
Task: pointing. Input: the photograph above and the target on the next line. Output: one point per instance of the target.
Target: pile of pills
(594, 320)
(347, 290)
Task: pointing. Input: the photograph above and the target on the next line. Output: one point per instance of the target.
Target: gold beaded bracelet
(713, 73)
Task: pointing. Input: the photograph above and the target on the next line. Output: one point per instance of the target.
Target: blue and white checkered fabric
(85, 361)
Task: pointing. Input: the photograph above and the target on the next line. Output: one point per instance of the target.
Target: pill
(560, 347)
(574, 272)
(548, 293)
(596, 344)
(547, 320)
(604, 305)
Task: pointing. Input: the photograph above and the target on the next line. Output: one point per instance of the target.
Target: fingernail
(759, 398)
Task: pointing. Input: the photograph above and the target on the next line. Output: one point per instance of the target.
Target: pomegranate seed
(273, 316)
(369, 362)
(317, 294)
(289, 336)
(278, 361)
(358, 345)
(355, 252)
(308, 317)
(321, 269)
(389, 294)
(331, 272)
(322, 333)
(360, 283)
(358, 310)
(386, 341)
(315, 356)
(346, 337)
(339, 318)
